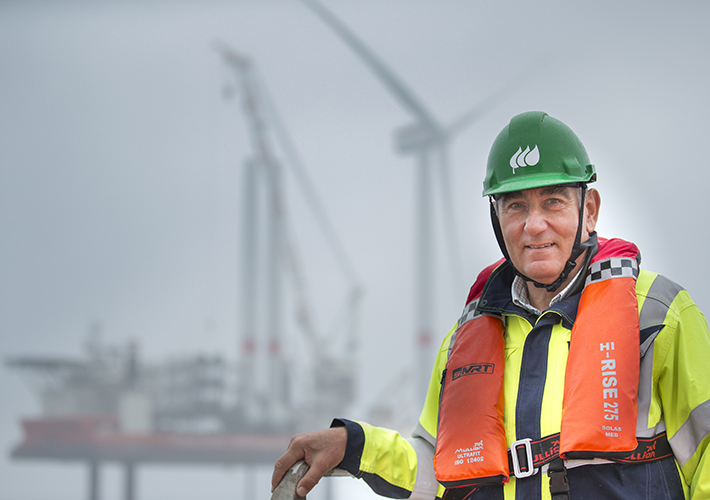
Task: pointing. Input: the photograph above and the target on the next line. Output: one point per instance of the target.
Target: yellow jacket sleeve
(681, 367)
(391, 465)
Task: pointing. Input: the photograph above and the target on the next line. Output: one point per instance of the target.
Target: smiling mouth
(538, 247)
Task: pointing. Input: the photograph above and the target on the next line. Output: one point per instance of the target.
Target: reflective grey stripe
(648, 342)
(653, 314)
(426, 486)
(644, 395)
(691, 433)
(420, 432)
(658, 299)
(451, 343)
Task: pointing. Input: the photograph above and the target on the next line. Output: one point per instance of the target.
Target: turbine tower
(428, 140)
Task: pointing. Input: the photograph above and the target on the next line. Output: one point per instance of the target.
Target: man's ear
(591, 208)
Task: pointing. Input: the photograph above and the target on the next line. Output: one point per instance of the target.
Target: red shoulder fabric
(614, 247)
(483, 276)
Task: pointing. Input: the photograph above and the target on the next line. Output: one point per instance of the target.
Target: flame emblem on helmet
(525, 158)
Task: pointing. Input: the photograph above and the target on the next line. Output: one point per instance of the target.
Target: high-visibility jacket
(674, 395)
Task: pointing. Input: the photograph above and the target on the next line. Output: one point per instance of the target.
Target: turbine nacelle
(416, 137)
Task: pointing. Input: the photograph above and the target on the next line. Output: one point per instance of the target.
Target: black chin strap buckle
(569, 266)
(559, 486)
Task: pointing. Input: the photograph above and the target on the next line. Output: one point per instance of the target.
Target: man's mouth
(538, 247)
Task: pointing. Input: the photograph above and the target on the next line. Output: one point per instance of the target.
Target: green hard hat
(535, 150)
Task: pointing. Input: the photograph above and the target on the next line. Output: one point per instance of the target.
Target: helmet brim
(537, 181)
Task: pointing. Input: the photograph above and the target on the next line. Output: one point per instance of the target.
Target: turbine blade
(402, 93)
(230, 55)
(470, 116)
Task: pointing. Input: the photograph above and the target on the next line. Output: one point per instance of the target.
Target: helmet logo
(525, 158)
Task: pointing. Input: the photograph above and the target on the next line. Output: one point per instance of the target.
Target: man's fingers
(295, 452)
(309, 481)
(282, 465)
(286, 489)
(322, 449)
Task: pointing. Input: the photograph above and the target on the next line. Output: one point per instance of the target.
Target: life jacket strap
(543, 452)
(559, 485)
(547, 449)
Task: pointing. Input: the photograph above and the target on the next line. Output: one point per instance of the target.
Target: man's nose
(535, 222)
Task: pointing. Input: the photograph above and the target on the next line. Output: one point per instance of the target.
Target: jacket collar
(497, 299)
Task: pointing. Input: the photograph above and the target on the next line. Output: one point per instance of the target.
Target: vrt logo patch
(525, 158)
(474, 369)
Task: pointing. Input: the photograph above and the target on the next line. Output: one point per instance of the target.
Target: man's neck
(540, 298)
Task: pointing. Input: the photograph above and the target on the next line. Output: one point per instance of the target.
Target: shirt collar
(519, 292)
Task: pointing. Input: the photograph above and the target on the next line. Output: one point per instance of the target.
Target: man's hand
(322, 450)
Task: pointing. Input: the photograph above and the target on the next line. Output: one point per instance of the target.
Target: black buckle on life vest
(522, 458)
(559, 485)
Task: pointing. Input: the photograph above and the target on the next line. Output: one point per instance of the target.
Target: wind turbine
(428, 140)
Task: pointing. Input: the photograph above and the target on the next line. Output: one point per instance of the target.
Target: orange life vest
(601, 380)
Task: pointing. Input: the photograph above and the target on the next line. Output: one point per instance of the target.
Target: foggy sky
(121, 163)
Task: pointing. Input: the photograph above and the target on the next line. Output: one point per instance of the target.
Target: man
(538, 392)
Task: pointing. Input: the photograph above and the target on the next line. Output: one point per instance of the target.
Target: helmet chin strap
(577, 249)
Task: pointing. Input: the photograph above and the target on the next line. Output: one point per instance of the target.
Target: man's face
(539, 227)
